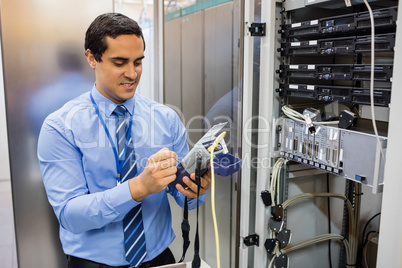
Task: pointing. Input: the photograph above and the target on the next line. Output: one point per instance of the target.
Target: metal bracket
(257, 29)
(252, 240)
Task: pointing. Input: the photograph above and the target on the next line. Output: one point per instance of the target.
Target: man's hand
(158, 173)
(191, 189)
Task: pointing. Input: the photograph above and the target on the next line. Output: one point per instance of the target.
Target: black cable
(196, 263)
(363, 237)
(329, 224)
(185, 229)
(367, 223)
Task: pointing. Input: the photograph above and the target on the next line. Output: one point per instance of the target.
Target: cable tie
(359, 194)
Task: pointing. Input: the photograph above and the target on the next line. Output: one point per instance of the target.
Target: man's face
(119, 72)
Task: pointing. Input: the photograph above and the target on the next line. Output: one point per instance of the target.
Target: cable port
(335, 155)
(295, 143)
(310, 149)
(316, 149)
(304, 147)
(328, 153)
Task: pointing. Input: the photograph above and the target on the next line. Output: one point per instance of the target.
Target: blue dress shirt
(79, 173)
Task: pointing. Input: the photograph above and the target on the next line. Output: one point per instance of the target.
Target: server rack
(299, 80)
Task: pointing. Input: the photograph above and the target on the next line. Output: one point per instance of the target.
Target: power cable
(372, 79)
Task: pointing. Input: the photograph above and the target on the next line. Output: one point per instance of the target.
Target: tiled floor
(8, 256)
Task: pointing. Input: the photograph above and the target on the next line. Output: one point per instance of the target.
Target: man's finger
(186, 192)
(163, 154)
(165, 164)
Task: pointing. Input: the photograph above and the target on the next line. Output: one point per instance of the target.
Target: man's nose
(131, 72)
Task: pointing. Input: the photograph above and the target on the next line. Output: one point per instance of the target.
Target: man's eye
(138, 63)
(118, 64)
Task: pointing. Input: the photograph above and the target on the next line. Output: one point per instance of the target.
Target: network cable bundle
(279, 243)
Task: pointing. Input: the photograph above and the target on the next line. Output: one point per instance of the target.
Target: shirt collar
(107, 106)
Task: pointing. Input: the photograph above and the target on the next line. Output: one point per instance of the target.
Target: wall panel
(172, 79)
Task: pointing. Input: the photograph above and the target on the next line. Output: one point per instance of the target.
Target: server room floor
(8, 254)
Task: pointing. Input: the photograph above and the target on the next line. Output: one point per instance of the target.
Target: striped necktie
(134, 237)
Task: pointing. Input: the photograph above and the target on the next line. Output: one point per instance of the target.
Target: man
(83, 162)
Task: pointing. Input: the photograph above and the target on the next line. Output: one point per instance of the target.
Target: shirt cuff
(192, 203)
(120, 198)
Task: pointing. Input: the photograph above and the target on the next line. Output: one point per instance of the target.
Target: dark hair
(112, 25)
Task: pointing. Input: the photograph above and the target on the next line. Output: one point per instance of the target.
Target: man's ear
(90, 58)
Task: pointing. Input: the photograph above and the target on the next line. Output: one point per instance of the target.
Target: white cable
(289, 112)
(272, 186)
(275, 181)
(272, 261)
(365, 249)
(274, 190)
(351, 217)
(372, 79)
(350, 245)
(318, 239)
(211, 149)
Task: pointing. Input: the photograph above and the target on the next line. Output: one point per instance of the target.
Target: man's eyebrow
(125, 59)
(119, 58)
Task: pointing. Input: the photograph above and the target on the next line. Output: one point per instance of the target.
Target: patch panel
(347, 153)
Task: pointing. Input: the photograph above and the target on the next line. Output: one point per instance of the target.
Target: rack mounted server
(343, 152)
(353, 95)
(384, 19)
(340, 45)
(354, 72)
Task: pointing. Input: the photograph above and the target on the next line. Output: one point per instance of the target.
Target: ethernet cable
(349, 206)
(350, 245)
(275, 182)
(211, 149)
(315, 240)
(352, 211)
(319, 239)
(275, 186)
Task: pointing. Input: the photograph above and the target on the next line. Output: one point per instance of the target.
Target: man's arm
(76, 208)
